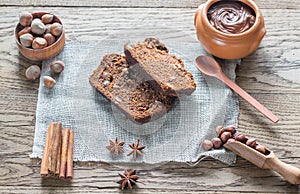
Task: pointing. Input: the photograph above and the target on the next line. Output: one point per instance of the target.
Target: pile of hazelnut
(38, 33)
(33, 72)
(228, 134)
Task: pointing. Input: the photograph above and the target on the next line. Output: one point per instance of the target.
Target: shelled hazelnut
(207, 145)
(47, 18)
(47, 31)
(49, 38)
(24, 31)
(225, 136)
(57, 66)
(37, 27)
(218, 129)
(241, 138)
(216, 142)
(231, 129)
(25, 19)
(39, 43)
(49, 82)
(26, 39)
(261, 149)
(251, 142)
(230, 140)
(33, 72)
(56, 29)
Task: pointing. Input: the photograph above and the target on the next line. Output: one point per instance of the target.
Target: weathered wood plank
(276, 4)
(21, 175)
(269, 75)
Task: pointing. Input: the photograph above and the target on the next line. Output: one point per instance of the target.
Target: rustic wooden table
(271, 75)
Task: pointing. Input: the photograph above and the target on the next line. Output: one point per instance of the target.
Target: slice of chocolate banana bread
(125, 88)
(155, 63)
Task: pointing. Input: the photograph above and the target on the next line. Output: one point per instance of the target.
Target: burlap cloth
(175, 137)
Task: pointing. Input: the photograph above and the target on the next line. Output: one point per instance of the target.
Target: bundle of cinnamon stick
(57, 157)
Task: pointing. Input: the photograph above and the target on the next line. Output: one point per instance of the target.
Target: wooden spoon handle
(249, 98)
(289, 172)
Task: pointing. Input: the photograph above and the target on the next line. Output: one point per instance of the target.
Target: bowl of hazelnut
(40, 35)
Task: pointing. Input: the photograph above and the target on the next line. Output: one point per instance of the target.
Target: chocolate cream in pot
(231, 17)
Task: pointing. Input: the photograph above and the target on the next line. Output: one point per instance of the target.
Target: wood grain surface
(267, 4)
(271, 75)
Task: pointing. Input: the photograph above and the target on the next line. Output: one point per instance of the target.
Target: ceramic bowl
(224, 45)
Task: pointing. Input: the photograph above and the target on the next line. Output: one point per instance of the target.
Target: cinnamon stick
(54, 148)
(69, 171)
(58, 158)
(64, 153)
(45, 161)
(51, 141)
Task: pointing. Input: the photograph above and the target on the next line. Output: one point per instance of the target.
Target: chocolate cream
(231, 17)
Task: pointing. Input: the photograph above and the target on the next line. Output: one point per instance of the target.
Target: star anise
(116, 147)
(136, 149)
(128, 179)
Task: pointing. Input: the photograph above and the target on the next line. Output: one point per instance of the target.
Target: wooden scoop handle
(248, 98)
(289, 172)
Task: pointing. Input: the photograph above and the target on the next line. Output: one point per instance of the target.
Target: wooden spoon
(268, 161)
(209, 66)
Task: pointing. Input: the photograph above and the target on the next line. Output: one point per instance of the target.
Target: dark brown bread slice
(156, 63)
(125, 88)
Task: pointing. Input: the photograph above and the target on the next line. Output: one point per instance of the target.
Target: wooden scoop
(268, 161)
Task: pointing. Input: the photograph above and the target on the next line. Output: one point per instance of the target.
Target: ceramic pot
(224, 45)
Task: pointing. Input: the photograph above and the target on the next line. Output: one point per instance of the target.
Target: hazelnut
(47, 18)
(225, 136)
(48, 28)
(39, 43)
(56, 29)
(106, 83)
(251, 142)
(218, 130)
(33, 72)
(37, 27)
(207, 145)
(230, 140)
(57, 66)
(230, 129)
(25, 19)
(49, 38)
(216, 142)
(49, 82)
(241, 138)
(261, 149)
(26, 40)
(106, 75)
(24, 31)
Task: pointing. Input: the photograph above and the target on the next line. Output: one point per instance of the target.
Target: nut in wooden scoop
(265, 161)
